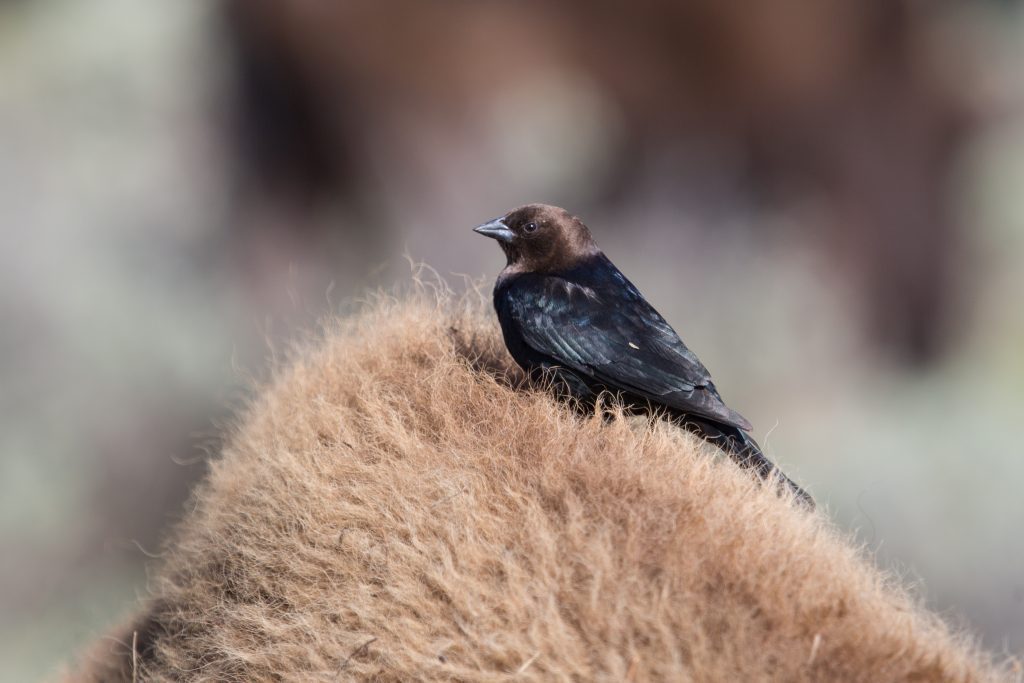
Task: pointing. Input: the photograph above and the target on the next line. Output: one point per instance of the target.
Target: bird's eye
(530, 227)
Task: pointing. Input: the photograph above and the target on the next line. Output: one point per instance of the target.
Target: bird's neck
(509, 273)
(580, 271)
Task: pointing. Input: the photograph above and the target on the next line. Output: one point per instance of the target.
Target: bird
(568, 313)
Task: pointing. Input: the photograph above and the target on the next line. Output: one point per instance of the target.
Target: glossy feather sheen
(594, 322)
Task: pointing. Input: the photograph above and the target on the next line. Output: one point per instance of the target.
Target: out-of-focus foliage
(829, 211)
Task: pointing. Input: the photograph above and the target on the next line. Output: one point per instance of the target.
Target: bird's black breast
(522, 292)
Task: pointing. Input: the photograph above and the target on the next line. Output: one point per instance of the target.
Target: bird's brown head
(539, 238)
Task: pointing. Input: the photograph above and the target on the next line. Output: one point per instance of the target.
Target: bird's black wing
(600, 326)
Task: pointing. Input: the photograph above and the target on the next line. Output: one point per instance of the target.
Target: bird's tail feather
(748, 453)
(742, 448)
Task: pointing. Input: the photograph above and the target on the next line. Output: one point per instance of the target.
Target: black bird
(567, 311)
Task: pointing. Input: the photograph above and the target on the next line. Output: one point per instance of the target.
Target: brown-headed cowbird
(567, 311)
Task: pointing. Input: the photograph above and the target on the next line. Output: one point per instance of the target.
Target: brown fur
(389, 509)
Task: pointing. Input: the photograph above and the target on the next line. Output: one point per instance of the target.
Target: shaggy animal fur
(393, 508)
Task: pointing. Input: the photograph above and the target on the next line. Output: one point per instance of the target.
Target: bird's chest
(515, 341)
(533, 314)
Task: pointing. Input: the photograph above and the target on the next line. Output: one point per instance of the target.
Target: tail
(742, 448)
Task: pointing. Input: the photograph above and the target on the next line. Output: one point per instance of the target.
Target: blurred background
(825, 198)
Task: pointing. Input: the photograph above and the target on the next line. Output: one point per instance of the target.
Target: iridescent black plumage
(565, 308)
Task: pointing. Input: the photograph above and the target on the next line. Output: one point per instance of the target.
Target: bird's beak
(497, 230)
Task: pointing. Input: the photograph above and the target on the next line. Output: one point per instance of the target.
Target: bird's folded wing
(622, 344)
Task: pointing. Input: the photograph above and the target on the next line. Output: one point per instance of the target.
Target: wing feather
(613, 336)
